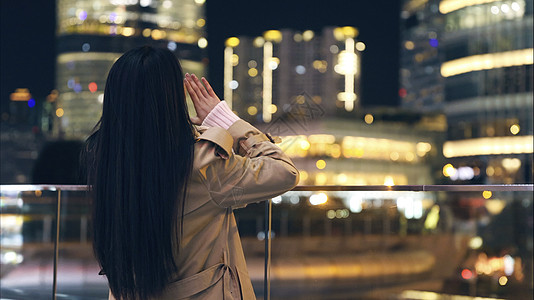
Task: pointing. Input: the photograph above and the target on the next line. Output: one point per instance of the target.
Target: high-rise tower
(91, 35)
(473, 61)
(267, 73)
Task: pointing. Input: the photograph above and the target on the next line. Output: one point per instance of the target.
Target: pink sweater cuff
(220, 116)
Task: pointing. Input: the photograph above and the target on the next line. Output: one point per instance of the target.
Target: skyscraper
(91, 35)
(266, 73)
(421, 86)
(484, 52)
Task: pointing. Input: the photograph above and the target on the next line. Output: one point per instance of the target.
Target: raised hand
(203, 96)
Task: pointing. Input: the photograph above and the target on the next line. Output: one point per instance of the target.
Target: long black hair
(140, 159)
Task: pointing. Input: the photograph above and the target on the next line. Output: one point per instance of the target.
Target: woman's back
(164, 191)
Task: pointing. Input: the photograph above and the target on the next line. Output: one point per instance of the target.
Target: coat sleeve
(245, 166)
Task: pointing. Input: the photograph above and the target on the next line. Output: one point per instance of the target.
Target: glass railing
(314, 242)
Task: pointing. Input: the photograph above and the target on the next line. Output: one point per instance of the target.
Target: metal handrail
(350, 188)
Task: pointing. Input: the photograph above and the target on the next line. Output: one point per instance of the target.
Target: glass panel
(401, 245)
(336, 244)
(77, 271)
(28, 231)
(251, 223)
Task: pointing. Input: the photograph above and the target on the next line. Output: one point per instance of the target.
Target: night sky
(28, 45)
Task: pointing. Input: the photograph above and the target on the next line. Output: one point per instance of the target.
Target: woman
(164, 190)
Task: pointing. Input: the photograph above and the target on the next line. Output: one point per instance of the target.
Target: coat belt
(197, 283)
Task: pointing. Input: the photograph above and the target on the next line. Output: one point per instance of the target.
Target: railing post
(267, 270)
(56, 244)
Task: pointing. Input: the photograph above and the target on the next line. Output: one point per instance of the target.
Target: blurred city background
(384, 94)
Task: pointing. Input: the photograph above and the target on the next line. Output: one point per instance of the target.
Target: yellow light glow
(449, 170)
(60, 112)
(514, 129)
(347, 97)
(252, 72)
(228, 75)
(10, 221)
(87, 56)
(303, 176)
(432, 219)
(147, 32)
(318, 199)
(273, 36)
(489, 146)
(202, 42)
(511, 164)
(232, 42)
(487, 62)
(342, 178)
(331, 214)
(422, 148)
(487, 194)
(38, 193)
(413, 5)
(394, 156)
(304, 145)
(267, 82)
(252, 110)
(373, 148)
(388, 181)
(200, 2)
(447, 6)
(128, 31)
(274, 108)
(235, 60)
(20, 95)
(495, 206)
(158, 34)
(322, 138)
(342, 33)
(258, 42)
(423, 295)
(360, 46)
(336, 151)
(201, 22)
(409, 45)
(475, 242)
(320, 164)
(369, 119)
(347, 63)
(503, 280)
(307, 35)
(320, 179)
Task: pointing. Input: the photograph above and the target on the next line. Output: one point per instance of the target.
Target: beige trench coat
(231, 168)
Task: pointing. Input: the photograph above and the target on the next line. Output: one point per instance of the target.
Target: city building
(305, 87)
(483, 51)
(266, 73)
(22, 133)
(91, 35)
(421, 84)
